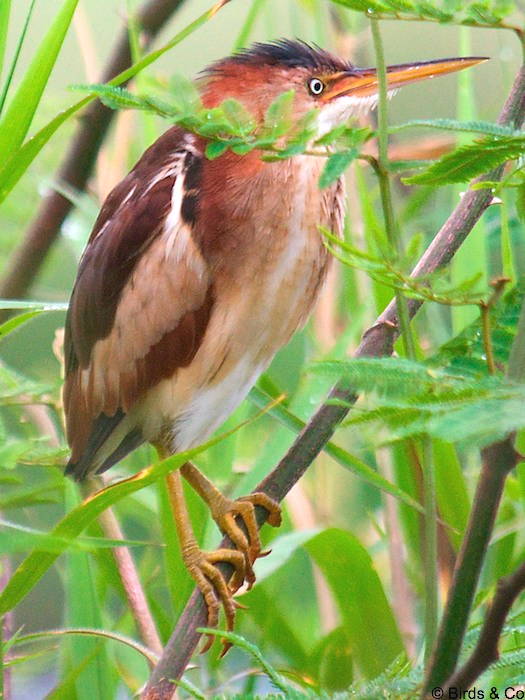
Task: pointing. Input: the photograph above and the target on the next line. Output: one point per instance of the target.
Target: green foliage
(469, 161)
(450, 396)
(460, 127)
(360, 597)
(434, 288)
(5, 9)
(18, 538)
(230, 126)
(484, 13)
(336, 165)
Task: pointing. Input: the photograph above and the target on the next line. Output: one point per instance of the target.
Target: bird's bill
(362, 82)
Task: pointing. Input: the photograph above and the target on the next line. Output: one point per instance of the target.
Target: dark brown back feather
(142, 328)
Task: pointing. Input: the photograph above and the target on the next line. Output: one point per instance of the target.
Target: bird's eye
(316, 86)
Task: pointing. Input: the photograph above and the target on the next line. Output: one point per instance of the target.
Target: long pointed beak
(361, 82)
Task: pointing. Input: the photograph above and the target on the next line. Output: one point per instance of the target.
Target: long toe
(231, 516)
(269, 504)
(216, 590)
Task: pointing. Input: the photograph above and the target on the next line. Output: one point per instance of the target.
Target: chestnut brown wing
(140, 305)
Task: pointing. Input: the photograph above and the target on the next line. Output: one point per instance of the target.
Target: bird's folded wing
(143, 296)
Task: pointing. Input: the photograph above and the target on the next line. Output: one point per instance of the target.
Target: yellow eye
(316, 86)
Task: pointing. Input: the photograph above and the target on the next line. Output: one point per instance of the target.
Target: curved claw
(227, 511)
(272, 507)
(213, 586)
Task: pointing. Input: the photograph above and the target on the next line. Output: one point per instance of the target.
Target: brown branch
(78, 163)
(377, 341)
(135, 595)
(498, 460)
(6, 627)
(486, 649)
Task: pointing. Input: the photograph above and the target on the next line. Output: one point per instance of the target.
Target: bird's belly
(243, 336)
(211, 405)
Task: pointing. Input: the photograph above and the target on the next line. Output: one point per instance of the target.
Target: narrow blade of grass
(5, 8)
(83, 610)
(13, 323)
(19, 115)
(5, 11)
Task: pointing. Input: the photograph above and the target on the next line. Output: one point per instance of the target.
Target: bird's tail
(106, 446)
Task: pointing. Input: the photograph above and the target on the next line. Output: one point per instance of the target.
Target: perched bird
(197, 271)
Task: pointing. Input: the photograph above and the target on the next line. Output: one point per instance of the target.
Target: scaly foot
(225, 512)
(213, 586)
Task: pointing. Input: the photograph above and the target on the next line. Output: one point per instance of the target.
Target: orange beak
(362, 82)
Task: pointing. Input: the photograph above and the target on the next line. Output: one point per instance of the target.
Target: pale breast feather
(141, 302)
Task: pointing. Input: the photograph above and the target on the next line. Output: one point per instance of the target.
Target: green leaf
(428, 9)
(362, 5)
(28, 304)
(451, 489)
(336, 670)
(473, 127)
(31, 495)
(469, 161)
(277, 680)
(240, 120)
(391, 375)
(13, 323)
(184, 93)
(214, 149)
(16, 121)
(483, 421)
(16, 55)
(16, 165)
(18, 538)
(336, 165)
(400, 5)
(283, 548)
(114, 97)
(357, 589)
(89, 632)
(5, 10)
(98, 679)
(480, 13)
(278, 117)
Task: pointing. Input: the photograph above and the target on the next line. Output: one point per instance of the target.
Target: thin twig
(498, 460)
(485, 308)
(487, 337)
(396, 245)
(377, 341)
(6, 630)
(78, 163)
(130, 580)
(486, 649)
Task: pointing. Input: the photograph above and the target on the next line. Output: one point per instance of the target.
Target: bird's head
(320, 80)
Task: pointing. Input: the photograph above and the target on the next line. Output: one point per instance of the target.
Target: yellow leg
(225, 511)
(201, 565)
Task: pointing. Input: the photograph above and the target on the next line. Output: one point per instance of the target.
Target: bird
(196, 273)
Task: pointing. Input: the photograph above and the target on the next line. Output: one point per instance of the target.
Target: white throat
(342, 108)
